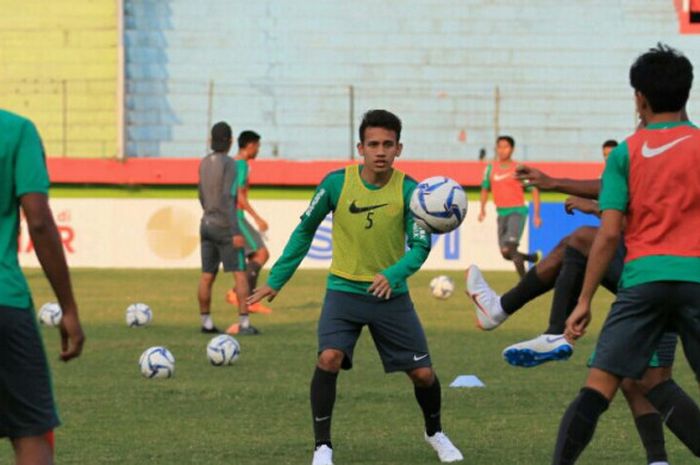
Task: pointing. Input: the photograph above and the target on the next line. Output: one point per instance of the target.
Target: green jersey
(241, 182)
(326, 200)
(22, 171)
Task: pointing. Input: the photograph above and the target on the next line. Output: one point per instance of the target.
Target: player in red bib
(509, 197)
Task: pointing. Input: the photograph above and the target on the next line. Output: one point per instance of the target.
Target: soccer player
(608, 147)
(651, 183)
(367, 281)
(221, 240)
(508, 195)
(27, 412)
(255, 251)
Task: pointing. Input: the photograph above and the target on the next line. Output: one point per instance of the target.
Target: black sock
(651, 431)
(519, 262)
(566, 290)
(253, 270)
(578, 425)
(322, 399)
(529, 257)
(430, 403)
(530, 287)
(679, 412)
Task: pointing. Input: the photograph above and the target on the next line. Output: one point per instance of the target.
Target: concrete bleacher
(58, 66)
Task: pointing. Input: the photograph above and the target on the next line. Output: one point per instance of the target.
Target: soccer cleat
(237, 329)
(446, 451)
(542, 349)
(212, 330)
(323, 455)
(257, 307)
(489, 313)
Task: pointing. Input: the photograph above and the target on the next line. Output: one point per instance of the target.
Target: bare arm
(246, 206)
(484, 199)
(49, 251)
(536, 206)
(589, 188)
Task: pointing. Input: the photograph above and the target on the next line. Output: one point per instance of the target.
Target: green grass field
(257, 412)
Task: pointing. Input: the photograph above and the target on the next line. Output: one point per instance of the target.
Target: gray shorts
(217, 248)
(253, 239)
(26, 399)
(510, 229)
(637, 322)
(664, 355)
(394, 325)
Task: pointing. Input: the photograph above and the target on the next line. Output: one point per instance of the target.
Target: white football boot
(489, 313)
(542, 349)
(323, 455)
(446, 451)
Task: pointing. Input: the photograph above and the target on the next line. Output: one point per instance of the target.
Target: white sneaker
(489, 313)
(323, 455)
(542, 349)
(446, 451)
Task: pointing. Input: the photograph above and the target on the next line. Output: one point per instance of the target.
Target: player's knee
(262, 256)
(507, 253)
(582, 239)
(654, 377)
(422, 377)
(207, 278)
(330, 360)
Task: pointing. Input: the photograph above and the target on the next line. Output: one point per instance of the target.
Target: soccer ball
(157, 362)
(138, 315)
(223, 350)
(439, 204)
(442, 287)
(50, 314)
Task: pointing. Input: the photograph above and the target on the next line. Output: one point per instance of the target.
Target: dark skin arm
(589, 188)
(49, 251)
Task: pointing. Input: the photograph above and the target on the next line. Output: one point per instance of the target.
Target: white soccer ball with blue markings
(157, 362)
(223, 350)
(138, 314)
(439, 204)
(50, 314)
(442, 287)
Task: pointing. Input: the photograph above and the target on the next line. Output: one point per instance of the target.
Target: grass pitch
(257, 411)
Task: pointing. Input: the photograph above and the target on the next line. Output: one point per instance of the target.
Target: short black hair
(221, 137)
(610, 143)
(508, 139)
(380, 119)
(664, 76)
(247, 137)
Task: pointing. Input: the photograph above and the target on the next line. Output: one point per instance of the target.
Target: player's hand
(238, 241)
(534, 177)
(482, 215)
(583, 205)
(578, 321)
(72, 337)
(262, 225)
(261, 293)
(537, 221)
(380, 287)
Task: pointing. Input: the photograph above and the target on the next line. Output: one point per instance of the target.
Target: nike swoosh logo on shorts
(553, 339)
(355, 209)
(501, 177)
(648, 152)
(416, 358)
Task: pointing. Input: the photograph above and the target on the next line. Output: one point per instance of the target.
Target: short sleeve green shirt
(22, 171)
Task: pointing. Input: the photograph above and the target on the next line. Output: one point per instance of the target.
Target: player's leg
(492, 309)
(210, 266)
(33, 450)
(342, 317)
(636, 320)
(234, 262)
(27, 411)
(400, 340)
(256, 256)
(648, 421)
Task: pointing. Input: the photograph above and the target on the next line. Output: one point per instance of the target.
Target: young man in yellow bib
(367, 280)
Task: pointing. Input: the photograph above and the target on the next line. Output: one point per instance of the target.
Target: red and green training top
(654, 177)
(508, 192)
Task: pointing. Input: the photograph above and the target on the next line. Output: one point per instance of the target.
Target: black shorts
(26, 398)
(612, 276)
(394, 325)
(217, 247)
(637, 321)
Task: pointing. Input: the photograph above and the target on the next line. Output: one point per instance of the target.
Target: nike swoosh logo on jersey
(553, 339)
(416, 358)
(648, 152)
(501, 177)
(355, 209)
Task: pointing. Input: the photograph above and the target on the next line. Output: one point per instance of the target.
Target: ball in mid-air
(50, 314)
(439, 204)
(442, 287)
